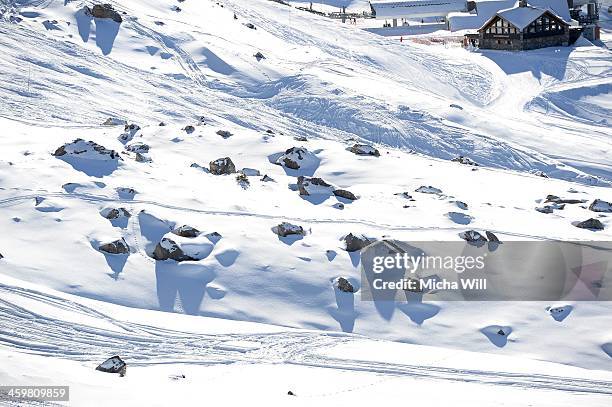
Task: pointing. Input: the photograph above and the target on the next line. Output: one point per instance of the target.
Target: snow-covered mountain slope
(320, 85)
(318, 78)
(178, 359)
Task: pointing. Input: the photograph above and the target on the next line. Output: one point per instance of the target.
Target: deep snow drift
(88, 204)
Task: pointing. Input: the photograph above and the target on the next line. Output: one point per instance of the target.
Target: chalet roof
(521, 17)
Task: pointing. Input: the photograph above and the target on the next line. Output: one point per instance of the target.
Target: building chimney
(522, 3)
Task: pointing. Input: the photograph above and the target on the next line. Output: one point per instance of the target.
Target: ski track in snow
(7, 202)
(27, 331)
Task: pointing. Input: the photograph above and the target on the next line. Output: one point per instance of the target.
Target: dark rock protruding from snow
(557, 200)
(87, 150)
(138, 148)
(222, 166)
(343, 193)
(546, 209)
(250, 172)
(243, 181)
(113, 121)
(115, 213)
(189, 129)
(465, 160)
(267, 178)
(364, 149)
(259, 56)
(296, 158)
(224, 133)
(472, 236)
(1, 256)
(186, 231)
(593, 224)
(129, 131)
(344, 285)
(355, 243)
(600, 206)
(104, 11)
(428, 190)
(313, 186)
(117, 247)
(113, 365)
(461, 205)
(286, 229)
(126, 192)
(539, 173)
(167, 249)
(143, 158)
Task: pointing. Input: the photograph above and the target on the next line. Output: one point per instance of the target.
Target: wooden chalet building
(521, 27)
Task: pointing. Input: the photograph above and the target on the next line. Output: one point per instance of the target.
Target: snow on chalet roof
(487, 9)
(521, 17)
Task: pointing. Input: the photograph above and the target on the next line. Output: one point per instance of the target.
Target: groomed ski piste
(255, 315)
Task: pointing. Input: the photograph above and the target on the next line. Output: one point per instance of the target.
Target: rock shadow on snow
(83, 24)
(459, 218)
(116, 262)
(607, 348)
(497, 335)
(345, 313)
(416, 309)
(560, 313)
(187, 281)
(553, 64)
(215, 63)
(227, 258)
(93, 168)
(106, 33)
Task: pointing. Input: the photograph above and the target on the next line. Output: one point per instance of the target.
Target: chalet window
(509, 42)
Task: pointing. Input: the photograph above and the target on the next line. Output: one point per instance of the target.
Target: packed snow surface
(187, 85)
